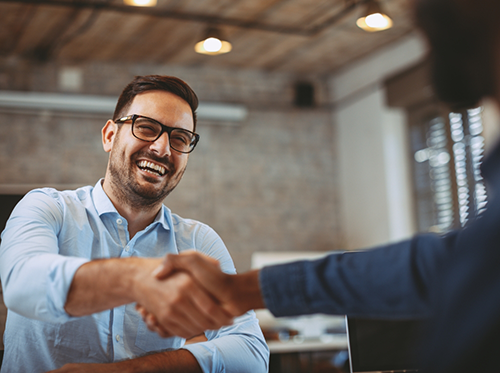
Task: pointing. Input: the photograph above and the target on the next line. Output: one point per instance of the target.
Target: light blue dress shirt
(49, 235)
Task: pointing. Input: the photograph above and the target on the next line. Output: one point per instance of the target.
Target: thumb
(166, 268)
(204, 269)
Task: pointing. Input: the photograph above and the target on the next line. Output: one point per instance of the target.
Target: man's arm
(107, 283)
(179, 361)
(391, 281)
(67, 286)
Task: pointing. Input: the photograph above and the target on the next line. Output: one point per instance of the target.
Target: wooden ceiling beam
(198, 17)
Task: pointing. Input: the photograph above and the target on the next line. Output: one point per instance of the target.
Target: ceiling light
(140, 2)
(213, 43)
(374, 19)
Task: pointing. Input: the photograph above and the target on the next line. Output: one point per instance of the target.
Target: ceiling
(297, 36)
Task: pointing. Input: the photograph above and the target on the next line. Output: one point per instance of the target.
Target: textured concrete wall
(266, 184)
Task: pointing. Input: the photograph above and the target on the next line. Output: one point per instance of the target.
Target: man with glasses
(74, 263)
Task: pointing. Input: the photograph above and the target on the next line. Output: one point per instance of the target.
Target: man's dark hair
(147, 83)
(462, 35)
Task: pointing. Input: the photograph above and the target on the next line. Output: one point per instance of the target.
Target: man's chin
(150, 189)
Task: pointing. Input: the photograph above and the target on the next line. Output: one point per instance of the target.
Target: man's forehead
(162, 106)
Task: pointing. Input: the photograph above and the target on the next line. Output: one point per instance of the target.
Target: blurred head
(146, 83)
(463, 37)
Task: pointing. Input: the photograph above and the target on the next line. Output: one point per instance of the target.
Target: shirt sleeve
(392, 281)
(35, 278)
(240, 347)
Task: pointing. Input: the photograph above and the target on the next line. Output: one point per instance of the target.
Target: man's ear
(108, 135)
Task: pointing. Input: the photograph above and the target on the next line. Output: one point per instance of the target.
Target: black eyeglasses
(148, 129)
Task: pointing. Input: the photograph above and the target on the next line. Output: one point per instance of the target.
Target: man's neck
(138, 218)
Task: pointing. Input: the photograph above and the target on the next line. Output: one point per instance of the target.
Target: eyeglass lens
(180, 140)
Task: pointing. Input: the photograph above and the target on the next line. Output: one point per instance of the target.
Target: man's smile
(152, 168)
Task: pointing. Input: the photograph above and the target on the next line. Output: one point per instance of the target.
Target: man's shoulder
(192, 228)
(58, 201)
(186, 223)
(79, 194)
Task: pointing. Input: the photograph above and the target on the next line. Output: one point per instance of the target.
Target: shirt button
(126, 248)
(119, 221)
(117, 338)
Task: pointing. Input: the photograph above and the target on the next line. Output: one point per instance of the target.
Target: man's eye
(181, 139)
(145, 127)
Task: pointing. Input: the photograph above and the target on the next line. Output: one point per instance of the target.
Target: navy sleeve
(392, 281)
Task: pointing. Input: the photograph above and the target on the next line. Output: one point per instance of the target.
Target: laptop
(382, 345)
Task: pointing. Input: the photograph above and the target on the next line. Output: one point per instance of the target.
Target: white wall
(372, 142)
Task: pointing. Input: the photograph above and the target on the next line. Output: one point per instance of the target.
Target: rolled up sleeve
(238, 348)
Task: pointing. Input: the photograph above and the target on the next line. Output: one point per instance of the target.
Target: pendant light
(213, 43)
(373, 18)
(140, 2)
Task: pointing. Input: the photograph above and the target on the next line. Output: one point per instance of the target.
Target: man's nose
(162, 145)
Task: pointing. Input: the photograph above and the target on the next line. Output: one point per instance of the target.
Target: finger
(185, 320)
(182, 314)
(204, 269)
(183, 262)
(174, 326)
(214, 315)
(141, 310)
(166, 268)
(154, 326)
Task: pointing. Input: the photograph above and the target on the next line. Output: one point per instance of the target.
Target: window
(448, 150)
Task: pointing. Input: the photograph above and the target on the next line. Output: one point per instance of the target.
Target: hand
(180, 306)
(206, 271)
(235, 294)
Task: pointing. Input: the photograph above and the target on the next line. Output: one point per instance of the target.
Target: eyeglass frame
(164, 128)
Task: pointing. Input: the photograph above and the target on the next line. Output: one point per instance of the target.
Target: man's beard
(127, 189)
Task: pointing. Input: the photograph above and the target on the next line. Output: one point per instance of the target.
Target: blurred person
(73, 263)
(452, 281)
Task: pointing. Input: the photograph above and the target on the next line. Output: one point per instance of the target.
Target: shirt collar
(104, 205)
(102, 202)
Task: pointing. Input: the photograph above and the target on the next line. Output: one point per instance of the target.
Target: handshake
(200, 296)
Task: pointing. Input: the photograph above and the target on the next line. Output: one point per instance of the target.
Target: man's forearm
(104, 284)
(179, 361)
(107, 283)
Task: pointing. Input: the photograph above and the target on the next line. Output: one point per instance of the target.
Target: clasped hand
(201, 297)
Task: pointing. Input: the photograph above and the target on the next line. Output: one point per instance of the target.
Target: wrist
(140, 275)
(246, 292)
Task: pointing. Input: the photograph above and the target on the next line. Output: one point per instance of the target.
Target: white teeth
(161, 170)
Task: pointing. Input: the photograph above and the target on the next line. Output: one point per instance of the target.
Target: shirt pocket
(149, 341)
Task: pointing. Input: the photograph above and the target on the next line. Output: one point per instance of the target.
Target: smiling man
(74, 263)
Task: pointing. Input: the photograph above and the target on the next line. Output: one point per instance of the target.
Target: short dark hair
(463, 36)
(146, 83)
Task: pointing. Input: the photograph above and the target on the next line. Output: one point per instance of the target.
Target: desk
(315, 355)
(333, 342)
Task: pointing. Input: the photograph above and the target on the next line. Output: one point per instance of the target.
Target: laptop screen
(382, 345)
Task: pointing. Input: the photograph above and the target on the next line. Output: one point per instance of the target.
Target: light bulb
(212, 45)
(376, 20)
(140, 2)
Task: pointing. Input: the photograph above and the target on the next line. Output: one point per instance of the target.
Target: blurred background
(319, 131)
